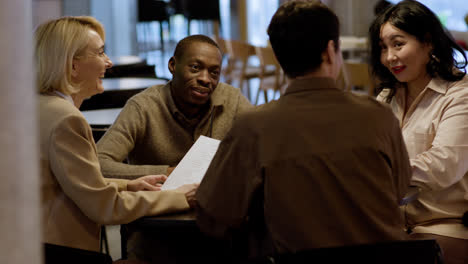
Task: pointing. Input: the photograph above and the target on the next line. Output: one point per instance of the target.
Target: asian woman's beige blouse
(435, 131)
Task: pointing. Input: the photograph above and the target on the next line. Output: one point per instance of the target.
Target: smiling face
(404, 55)
(89, 67)
(195, 76)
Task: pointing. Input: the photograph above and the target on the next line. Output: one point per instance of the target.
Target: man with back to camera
(320, 167)
(159, 125)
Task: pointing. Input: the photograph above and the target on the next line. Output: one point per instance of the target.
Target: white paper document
(193, 166)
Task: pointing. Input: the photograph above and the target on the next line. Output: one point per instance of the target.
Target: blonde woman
(76, 199)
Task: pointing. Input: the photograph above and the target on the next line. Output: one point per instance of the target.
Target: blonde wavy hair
(57, 43)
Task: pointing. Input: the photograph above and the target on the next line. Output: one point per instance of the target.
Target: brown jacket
(323, 167)
(76, 199)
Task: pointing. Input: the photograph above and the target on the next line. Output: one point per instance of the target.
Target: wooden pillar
(20, 220)
(242, 15)
(238, 20)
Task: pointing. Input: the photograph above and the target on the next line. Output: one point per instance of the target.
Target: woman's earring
(434, 57)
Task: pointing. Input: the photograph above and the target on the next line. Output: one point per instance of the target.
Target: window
(259, 14)
(450, 12)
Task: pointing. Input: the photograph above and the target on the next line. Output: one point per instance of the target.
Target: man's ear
(329, 55)
(171, 64)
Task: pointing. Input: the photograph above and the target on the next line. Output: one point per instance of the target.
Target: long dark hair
(419, 21)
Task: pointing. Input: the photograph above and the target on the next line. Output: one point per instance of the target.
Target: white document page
(193, 166)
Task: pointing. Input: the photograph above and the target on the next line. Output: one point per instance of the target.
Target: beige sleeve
(74, 162)
(119, 141)
(121, 183)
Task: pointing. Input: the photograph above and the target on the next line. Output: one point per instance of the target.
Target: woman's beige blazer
(76, 199)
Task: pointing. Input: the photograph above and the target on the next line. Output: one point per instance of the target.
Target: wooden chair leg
(145, 36)
(188, 26)
(169, 29)
(265, 94)
(104, 244)
(248, 90)
(277, 94)
(161, 34)
(257, 96)
(123, 241)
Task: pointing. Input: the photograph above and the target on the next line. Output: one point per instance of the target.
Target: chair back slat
(357, 74)
(271, 75)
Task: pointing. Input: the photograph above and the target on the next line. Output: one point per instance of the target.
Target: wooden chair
(238, 67)
(224, 51)
(357, 75)
(268, 64)
(222, 45)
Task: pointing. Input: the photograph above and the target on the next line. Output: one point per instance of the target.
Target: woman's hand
(189, 190)
(146, 183)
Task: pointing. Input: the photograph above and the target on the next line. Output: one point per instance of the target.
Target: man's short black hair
(187, 41)
(299, 33)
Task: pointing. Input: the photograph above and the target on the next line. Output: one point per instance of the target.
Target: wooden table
(101, 117)
(117, 91)
(126, 60)
(100, 120)
(157, 224)
(181, 232)
(130, 66)
(121, 84)
(176, 238)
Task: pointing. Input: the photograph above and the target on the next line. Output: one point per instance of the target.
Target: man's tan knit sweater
(153, 134)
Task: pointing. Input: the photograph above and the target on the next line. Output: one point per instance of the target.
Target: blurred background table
(130, 66)
(100, 120)
(117, 91)
(176, 238)
(126, 60)
(101, 117)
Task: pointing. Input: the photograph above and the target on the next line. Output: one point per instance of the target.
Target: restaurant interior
(140, 39)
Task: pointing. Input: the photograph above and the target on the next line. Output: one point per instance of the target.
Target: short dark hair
(419, 21)
(299, 33)
(187, 41)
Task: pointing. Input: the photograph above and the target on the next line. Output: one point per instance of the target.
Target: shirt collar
(438, 85)
(64, 96)
(435, 84)
(310, 83)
